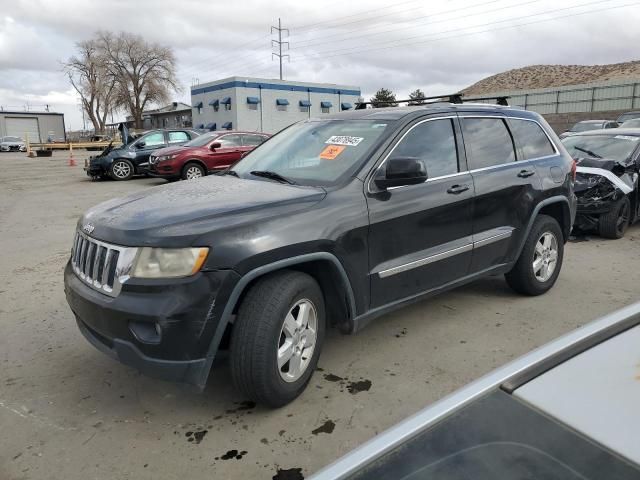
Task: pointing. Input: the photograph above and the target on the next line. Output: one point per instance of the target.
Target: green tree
(383, 98)
(417, 97)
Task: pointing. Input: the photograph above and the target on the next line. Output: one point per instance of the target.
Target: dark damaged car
(333, 221)
(606, 180)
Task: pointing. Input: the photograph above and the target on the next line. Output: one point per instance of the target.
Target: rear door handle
(457, 189)
(526, 173)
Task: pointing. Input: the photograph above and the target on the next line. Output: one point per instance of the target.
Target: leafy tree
(383, 98)
(417, 97)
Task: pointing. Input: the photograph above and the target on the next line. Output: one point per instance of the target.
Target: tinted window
(531, 138)
(586, 126)
(153, 139)
(230, 141)
(488, 142)
(434, 143)
(202, 140)
(252, 140)
(177, 137)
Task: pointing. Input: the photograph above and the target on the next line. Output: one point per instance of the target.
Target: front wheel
(614, 223)
(192, 170)
(277, 337)
(539, 264)
(121, 169)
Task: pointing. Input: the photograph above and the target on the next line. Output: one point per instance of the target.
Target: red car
(207, 153)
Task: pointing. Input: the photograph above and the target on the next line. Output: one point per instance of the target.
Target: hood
(178, 213)
(21, 142)
(615, 166)
(169, 150)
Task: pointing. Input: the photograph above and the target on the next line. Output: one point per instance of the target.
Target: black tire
(121, 169)
(192, 166)
(614, 223)
(522, 277)
(257, 333)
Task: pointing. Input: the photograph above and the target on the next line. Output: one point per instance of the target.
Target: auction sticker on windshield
(627, 137)
(331, 152)
(344, 140)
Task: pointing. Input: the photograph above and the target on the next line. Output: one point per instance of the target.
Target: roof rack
(450, 98)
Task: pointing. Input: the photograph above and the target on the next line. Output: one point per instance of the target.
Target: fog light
(146, 332)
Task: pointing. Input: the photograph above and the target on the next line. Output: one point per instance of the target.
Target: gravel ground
(68, 411)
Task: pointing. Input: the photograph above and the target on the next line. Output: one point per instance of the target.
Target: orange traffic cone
(72, 162)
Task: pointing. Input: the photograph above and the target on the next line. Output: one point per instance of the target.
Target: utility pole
(279, 43)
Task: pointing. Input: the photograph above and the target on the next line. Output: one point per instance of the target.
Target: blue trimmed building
(264, 105)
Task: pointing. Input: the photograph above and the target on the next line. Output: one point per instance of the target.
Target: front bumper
(13, 148)
(162, 329)
(163, 170)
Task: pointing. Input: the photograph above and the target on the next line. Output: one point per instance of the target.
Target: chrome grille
(153, 159)
(101, 265)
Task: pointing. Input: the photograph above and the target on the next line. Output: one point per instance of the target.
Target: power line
(225, 55)
(279, 44)
(359, 49)
(404, 26)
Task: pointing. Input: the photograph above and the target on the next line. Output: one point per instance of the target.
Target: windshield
(628, 116)
(202, 140)
(314, 152)
(633, 123)
(613, 147)
(583, 126)
(11, 139)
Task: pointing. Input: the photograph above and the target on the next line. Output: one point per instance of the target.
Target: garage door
(19, 126)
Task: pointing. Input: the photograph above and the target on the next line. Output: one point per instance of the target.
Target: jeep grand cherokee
(333, 221)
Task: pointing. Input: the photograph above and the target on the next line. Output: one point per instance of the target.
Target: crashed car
(12, 144)
(608, 163)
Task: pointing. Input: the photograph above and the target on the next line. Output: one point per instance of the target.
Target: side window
(531, 138)
(488, 142)
(252, 140)
(434, 143)
(153, 139)
(177, 137)
(228, 141)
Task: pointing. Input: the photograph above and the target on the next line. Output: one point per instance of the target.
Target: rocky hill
(543, 76)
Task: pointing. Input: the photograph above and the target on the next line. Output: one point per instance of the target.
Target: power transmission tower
(279, 43)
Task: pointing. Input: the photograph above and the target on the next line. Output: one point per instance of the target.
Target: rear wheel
(539, 264)
(192, 170)
(614, 223)
(121, 169)
(277, 337)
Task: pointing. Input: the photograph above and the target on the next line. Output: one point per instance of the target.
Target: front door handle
(526, 173)
(457, 189)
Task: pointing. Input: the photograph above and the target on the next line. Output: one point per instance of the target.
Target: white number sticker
(627, 137)
(344, 140)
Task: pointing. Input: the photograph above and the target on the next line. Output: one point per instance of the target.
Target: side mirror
(140, 145)
(215, 145)
(400, 172)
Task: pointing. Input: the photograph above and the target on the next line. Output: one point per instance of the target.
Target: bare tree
(89, 77)
(144, 73)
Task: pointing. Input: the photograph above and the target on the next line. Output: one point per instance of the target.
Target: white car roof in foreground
(417, 423)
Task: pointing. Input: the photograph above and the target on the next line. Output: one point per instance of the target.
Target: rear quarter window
(532, 140)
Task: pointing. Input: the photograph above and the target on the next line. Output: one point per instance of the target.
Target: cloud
(437, 47)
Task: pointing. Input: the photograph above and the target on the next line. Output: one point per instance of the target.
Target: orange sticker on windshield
(332, 151)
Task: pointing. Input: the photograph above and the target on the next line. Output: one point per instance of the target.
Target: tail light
(574, 166)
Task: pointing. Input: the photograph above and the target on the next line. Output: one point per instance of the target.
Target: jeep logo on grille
(88, 228)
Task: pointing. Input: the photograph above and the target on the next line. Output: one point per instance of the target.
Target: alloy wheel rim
(297, 340)
(121, 169)
(193, 172)
(545, 257)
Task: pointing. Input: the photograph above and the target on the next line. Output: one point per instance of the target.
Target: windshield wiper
(272, 176)
(230, 172)
(588, 152)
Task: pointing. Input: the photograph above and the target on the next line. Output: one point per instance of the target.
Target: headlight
(168, 262)
(166, 157)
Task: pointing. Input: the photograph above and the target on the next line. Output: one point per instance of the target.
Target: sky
(439, 47)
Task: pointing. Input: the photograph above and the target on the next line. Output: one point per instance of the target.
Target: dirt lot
(67, 411)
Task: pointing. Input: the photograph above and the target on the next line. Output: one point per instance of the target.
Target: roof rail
(450, 98)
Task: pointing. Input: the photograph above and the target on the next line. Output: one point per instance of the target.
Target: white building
(264, 105)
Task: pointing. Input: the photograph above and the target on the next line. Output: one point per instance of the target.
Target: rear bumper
(162, 329)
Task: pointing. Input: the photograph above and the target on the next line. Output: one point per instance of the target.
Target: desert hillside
(543, 76)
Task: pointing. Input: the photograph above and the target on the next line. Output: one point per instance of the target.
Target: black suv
(124, 162)
(332, 221)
